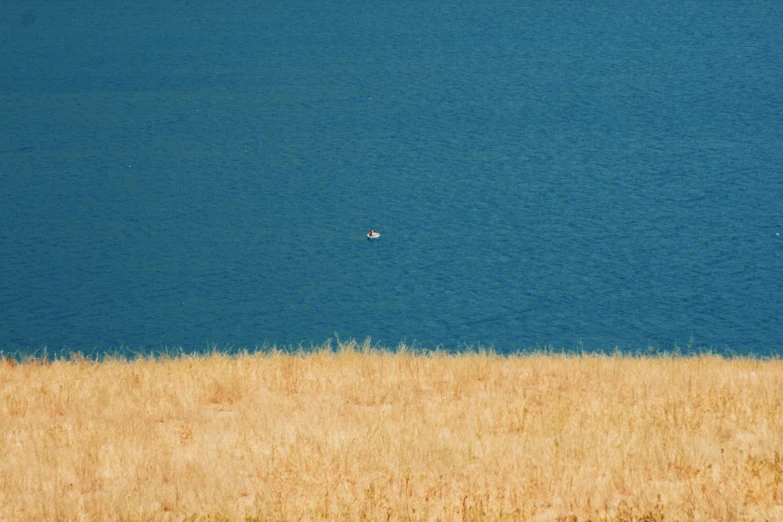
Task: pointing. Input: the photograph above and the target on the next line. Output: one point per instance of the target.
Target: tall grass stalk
(359, 433)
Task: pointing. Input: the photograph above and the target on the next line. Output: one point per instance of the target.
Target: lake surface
(190, 174)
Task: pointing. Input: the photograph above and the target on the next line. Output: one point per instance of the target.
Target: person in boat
(373, 233)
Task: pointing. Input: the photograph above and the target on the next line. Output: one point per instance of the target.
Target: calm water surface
(189, 174)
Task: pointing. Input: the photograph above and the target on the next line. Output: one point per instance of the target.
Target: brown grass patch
(364, 434)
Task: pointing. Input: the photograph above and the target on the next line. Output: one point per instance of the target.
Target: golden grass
(366, 434)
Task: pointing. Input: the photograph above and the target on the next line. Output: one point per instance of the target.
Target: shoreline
(368, 347)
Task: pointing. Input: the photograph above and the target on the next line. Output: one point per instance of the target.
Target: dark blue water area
(581, 176)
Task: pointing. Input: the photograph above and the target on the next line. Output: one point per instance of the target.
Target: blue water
(576, 175)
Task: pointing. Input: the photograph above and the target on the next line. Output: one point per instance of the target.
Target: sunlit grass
(360, 433)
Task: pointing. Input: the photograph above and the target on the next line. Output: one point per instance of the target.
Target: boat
(372, 234)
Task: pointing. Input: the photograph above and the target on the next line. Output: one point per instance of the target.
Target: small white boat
(372, 234)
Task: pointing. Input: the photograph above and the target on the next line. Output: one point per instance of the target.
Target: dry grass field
(359, 433)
